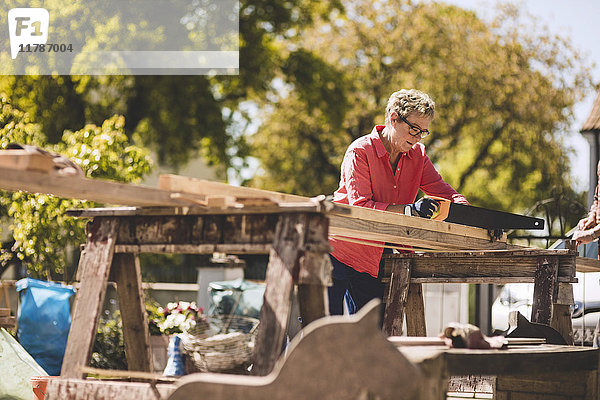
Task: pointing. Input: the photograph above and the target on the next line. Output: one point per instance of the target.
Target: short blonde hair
(406, 102)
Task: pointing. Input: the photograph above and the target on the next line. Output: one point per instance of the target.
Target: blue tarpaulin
(44, 319)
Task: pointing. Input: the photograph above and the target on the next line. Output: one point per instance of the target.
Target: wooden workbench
(186, 215)
(295, 237)
(551, 271)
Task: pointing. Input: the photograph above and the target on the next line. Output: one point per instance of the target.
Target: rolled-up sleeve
(432, 184)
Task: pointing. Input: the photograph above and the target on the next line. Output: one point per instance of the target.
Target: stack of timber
(355, 223)
(184, 195)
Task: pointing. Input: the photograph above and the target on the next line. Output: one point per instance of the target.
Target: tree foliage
(43, 235)
(176, 116)
(504, 92)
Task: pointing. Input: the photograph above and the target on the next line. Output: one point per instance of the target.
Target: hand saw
(483, 217)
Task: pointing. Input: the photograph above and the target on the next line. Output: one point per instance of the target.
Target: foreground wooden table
(294, 236)
(347, 358)
(521, 372)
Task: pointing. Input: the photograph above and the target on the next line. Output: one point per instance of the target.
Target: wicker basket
(226, 346)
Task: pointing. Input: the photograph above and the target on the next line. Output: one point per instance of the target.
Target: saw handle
(443, 208)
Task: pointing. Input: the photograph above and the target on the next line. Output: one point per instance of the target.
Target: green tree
(43, 235)
(504, 91)
(177, 116)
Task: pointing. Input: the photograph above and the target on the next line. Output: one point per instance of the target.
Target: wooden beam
(184, 184)
(243, 248)
(585, 264)
(396, 296)
(561, 312)
(393, 231)
(520, 360)
(26, 161)
(126, 272)
(94, 268)
(101, 191)
(371, 215)
(545, 290)
(77, 389)
(314, 272)
(480, 267)
(295, 234)
(204, 231)
(277, 301)
(193, 210)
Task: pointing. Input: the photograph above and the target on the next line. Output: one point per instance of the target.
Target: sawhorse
(551, 271)
(295, 237)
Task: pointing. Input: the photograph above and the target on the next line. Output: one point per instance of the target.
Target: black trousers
(353, 287)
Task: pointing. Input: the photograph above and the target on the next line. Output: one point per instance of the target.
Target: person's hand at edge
(585, 236)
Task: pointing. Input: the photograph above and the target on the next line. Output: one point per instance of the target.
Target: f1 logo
(27, 26)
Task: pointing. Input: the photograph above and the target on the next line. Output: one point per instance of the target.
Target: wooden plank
(396, 297)
(562, 322)
(194, 210)
(552, 384)
(26, 161)
(415, 311)
(79, 389)
(191, 230)
(313, 302)
(481, 280)
(242, 248)
(520, 266)
(371, 215)
(276, 308)
(94, 267)
(314, 271)
(184, 184)
(98, 190)
(392, 231)
(8, 322)
(314, 265)
(116, 373)
(544, 291)
(519, 360)
(585, 264)
(126, 272)
(4, 296)
(561, 312)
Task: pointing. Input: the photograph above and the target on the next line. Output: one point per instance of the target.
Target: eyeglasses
(414, 130)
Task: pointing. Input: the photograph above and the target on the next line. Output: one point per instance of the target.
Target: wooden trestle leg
(125, 271)
(94, 268)
(300, 240)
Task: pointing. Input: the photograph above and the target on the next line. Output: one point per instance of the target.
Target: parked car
(585, 313)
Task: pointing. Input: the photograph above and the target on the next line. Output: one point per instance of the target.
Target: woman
(384, 170)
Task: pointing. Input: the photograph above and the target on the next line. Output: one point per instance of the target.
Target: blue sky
(578, 20)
